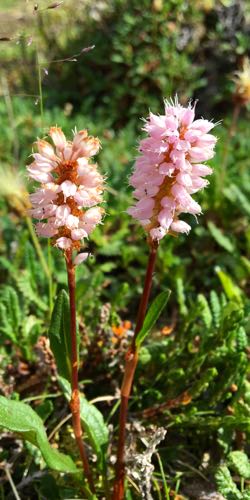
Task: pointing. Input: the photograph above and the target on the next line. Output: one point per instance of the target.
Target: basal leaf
(19, 418)
(59, 335)
(152, 316)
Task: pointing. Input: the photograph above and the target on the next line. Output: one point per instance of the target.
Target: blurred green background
(144, 51)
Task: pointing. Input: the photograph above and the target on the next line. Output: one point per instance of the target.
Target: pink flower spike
(171, 162)
(81, 257)
(71, 184)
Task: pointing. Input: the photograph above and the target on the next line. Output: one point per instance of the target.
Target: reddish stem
(130, 367)
(75, 399)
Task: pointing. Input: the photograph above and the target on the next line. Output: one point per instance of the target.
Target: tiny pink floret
(170, 169)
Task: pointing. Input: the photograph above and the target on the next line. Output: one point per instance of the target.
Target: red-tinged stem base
(130, 367)
(75, 399)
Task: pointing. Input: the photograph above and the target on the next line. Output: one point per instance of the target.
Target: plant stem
(13, 487)
(37, 247)
(75, 399)
(130, 367)
(40, 90)
(51, 291)
(166, 489)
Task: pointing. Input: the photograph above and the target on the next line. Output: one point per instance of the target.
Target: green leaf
(225, 484)
(45, 409)
(215, 307)
(181, 298)
(23, 282)
(205, 310)
(246, 494)
(59, 335)
(5, 326)
(203, 383)
(232, 291)
(239, 463)
(233, 193)
(246, 263)
(10, 298)
(220, 238)
(152, 316)
(92, 420)
(19, 417)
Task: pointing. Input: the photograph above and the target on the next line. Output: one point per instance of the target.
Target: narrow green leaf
(10, 298)
(220, 238)
(92, 419)
(19, 418)
(215, 307)
(5, 326)
(234, 193)
(205, 310)
(181, 298)
(203, 383)
(232, 291)
(246, 263)
(59, 335)
(152, 316)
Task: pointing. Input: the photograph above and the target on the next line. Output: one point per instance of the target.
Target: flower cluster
(170, 169)
(71, 187)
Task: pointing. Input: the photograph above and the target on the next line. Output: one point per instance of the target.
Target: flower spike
(170, 169)
(71, 188)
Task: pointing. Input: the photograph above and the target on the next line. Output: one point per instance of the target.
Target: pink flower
(170, 169)
(81, 257)
(71, 187)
